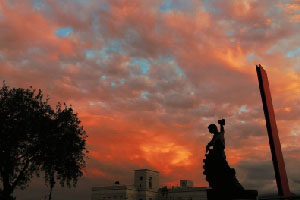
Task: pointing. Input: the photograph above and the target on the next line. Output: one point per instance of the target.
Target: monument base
(223, 195)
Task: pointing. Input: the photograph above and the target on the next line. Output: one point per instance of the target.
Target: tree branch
(21, 175)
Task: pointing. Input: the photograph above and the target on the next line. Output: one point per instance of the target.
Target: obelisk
(277, 157)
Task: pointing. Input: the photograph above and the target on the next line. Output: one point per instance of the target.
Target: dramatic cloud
(148, 77)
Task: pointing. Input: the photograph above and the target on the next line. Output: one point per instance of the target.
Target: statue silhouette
(218, 140)
(220, 176)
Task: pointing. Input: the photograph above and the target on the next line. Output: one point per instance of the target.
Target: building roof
(146, 170)
(183, 189)
(114, 187)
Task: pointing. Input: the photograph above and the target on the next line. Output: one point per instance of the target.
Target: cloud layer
(148, 77)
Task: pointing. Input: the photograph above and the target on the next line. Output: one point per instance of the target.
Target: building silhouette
(146, 187)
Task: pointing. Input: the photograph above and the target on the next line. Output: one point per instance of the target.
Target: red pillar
(277, 157)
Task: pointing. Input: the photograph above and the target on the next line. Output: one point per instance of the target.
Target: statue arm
(222, 128)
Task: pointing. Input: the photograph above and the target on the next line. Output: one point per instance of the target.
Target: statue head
(213, 128)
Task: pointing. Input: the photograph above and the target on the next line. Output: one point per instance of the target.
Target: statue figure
(220, 176)
(218, 140)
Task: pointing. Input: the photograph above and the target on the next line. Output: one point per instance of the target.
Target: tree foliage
(34, 138)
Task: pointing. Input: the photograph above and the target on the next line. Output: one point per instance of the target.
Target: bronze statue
(221, 178)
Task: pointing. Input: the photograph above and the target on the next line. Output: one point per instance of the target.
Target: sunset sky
(147, 77)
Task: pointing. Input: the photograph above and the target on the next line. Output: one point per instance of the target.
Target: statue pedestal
(222, 179)
(223, 195)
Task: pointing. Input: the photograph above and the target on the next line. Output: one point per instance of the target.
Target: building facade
(146, 187)
(182, 193)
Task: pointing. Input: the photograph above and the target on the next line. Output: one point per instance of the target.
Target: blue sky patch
(169, 59)
(113, 46)
(144, 95)
(143, 63)
(170, 5)
(230, 33)
(243, 108)
(179, 70)
(250, 56)
(113, 84)
(208, 5)
(104, 6)
(106, 51)
(274, 48)
(90, 53)
(37, 4)
(63, 32)
(122, 80)
(93, 53)
(291, 54)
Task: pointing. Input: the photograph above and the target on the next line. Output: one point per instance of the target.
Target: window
(150, 182)
(141, 178)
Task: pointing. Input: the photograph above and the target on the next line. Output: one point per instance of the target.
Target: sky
(147, 77)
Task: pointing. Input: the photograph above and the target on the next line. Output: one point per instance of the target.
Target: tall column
(277, 157)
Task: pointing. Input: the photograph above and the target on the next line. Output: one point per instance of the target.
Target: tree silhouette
(34, 138)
